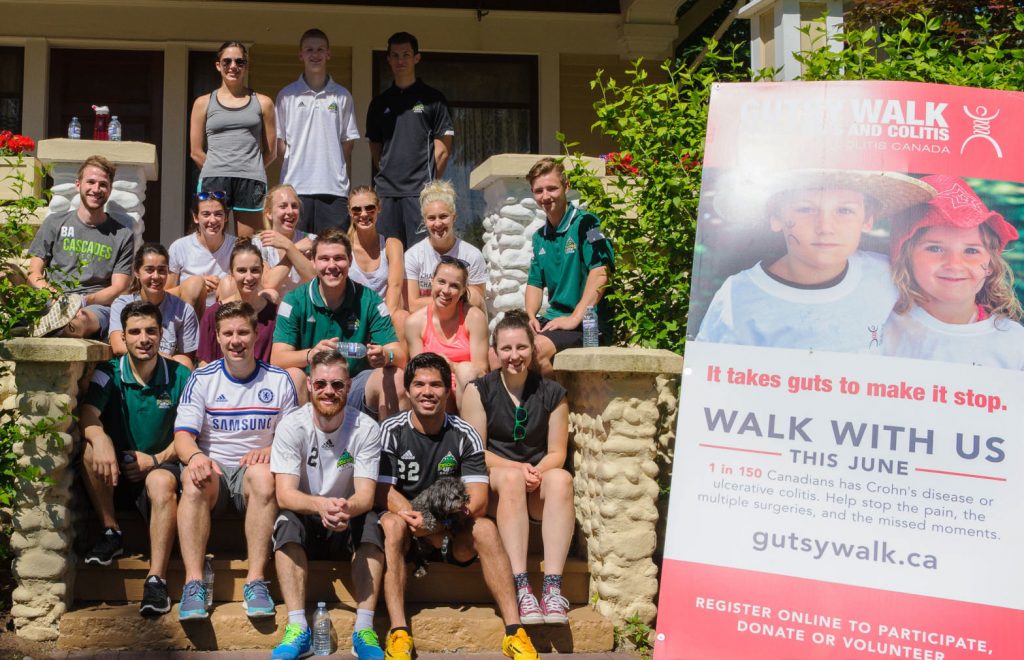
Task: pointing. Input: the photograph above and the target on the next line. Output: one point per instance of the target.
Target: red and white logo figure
(982, 128)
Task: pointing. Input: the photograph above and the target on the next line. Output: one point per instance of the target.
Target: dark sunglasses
(240, 62)
(369, 208)
(519, 430)
(207, 195)
(448, 259)
(336, 385)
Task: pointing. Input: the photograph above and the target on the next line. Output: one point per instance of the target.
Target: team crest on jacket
(447, 466)
(266, 395)
(344, 460)
(570, 246)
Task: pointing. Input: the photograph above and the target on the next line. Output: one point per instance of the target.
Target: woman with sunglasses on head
(233, 138)
(199, 261)
(450, 327)
(180, 331)
(284, 247)
(247, 272)
(523, 420)
(437, 203)
(377, 262)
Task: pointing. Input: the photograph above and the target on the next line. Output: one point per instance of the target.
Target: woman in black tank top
(524, 422)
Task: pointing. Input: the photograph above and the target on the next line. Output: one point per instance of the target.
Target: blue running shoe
(297, 643)
(366, 645)
(258, 603)
(193, 601)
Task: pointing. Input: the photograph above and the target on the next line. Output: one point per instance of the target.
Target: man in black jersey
(421, 446)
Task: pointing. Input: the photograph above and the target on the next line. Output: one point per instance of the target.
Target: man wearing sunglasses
(325, 462)
(316, 130)
(419, 447)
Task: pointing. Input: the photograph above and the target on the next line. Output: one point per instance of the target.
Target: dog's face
(443, 503)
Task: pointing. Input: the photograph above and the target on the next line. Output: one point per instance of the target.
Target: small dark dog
(443, 505)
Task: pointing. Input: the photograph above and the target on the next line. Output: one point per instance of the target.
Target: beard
(329, 408)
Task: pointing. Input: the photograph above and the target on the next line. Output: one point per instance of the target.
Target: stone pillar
(136, 165)
(46, 374)
(510, 219)
(622, 412)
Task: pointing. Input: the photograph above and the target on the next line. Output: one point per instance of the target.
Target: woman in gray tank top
(233, 139)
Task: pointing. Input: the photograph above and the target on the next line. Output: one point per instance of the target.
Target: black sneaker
(154, 597)
(106, 548)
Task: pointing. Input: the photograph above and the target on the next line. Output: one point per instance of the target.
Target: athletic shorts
(357, 394)
(231, 493)
(320, 212)
(420, 549)
(562, 339)
(241, 194)
(102, 314)
(401, 218)
(321, 543)
(132, 494)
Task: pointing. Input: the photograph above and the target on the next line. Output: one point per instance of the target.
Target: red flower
(13, 145)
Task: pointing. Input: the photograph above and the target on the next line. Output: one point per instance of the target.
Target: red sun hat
(955, 205)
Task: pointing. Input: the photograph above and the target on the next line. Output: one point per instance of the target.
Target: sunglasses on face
(358, 210)
(240, 62)
(206, 196)
(336, 385)
(519, 430)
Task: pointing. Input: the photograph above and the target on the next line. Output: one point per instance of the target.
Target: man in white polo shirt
(223, 432)
(316, 130)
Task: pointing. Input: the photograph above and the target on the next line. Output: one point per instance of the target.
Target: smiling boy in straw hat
(824, 293)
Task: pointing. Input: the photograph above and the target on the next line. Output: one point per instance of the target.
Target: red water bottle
(99, 126)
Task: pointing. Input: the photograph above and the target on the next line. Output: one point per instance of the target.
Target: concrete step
(328, 581)
(435, 629)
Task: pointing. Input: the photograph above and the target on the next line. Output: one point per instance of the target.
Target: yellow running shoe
(399, 646)
(519, 646)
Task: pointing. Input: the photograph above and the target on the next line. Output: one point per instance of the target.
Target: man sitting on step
(419, 447)
(127, 417)
(325, 461)
(225, 426)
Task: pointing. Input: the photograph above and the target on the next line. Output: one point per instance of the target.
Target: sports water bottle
(590, 333)
(352, 350)
(114, 129)
(101, 123)
(321, 630)
(75, 129)
(208, 579)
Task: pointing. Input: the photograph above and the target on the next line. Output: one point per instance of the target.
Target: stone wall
(46, 374)
(622, 412)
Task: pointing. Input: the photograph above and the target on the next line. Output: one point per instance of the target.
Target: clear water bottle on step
(352, 350)
(114, 129)
(208, 579)
(75, 129)
(590, 332)
(321, 630)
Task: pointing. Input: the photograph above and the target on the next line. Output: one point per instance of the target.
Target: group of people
(317, 372)
(944, 293)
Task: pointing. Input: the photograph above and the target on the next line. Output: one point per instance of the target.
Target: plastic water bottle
(351, 349)
(114, 129)
(75, 129)
(321, 630)
(208, 576)
(590, 332)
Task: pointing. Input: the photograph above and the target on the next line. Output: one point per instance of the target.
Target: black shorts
(562, 339)
(132, 494)
(241, 194)
(401, 218)
(320, 212)
(321, 543)
(419, 550)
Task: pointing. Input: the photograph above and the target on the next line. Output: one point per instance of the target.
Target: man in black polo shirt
(420, 446)
(410, 134)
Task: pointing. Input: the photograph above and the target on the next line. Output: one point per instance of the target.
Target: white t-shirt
(994, 342)
(189, 257)
(421, 260)
(231, 417)
(753, 309)
(180, 330)
(271, 257)
(314, 125)
(326, 463)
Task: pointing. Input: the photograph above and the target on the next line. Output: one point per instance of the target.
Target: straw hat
(743, 197)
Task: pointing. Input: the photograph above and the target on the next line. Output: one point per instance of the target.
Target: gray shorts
(231, 492)
(102, 314)
(357, 393)
(321, 543)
